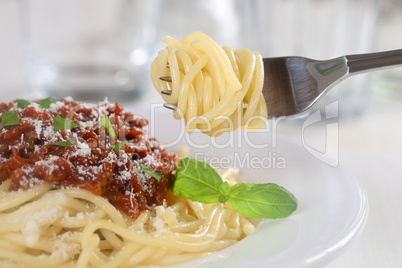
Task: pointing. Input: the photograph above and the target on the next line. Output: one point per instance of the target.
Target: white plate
(332, 206)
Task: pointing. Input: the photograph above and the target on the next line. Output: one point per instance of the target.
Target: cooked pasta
(215, 89)
(85, 186)
(45, 227)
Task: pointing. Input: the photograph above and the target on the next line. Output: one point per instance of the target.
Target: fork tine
(166, 78)
(166, 92)
(170, 106)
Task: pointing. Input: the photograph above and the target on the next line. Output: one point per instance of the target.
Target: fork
(293, 85)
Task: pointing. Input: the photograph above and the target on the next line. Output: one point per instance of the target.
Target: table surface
(368, 146)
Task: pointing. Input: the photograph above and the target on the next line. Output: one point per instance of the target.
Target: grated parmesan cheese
(31, 233)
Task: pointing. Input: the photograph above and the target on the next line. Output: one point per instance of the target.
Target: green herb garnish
(198, 181)
(45, 103)
(105, 122)
(62, 123)
(22, 103)
(62, 143)
(10, 118)
(261, 200)
(117, 147)
(152, 173)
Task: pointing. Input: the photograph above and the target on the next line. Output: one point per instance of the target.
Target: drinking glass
(90, 49)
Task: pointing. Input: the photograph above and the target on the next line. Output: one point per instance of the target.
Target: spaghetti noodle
(215, 89)
(44, 227)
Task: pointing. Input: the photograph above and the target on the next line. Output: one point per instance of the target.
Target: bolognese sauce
(106, 160)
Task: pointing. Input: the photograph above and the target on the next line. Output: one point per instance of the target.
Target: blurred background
(92, 49)
(89, 49)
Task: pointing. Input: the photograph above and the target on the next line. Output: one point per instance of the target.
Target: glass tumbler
(89, 49)
(316, 29)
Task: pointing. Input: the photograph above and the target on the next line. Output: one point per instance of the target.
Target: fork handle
(361, 63)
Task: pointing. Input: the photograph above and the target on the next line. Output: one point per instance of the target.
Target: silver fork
(293, 85)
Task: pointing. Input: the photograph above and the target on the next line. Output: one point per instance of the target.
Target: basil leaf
(62, 143)
(197, 180)
(62, 123)
(105, 122)
(152, 173)
(10, 118)
(267, 200)
(117, 147)
(22, 103)
(45, 103)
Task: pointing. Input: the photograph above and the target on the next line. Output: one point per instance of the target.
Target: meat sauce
(30, 153)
